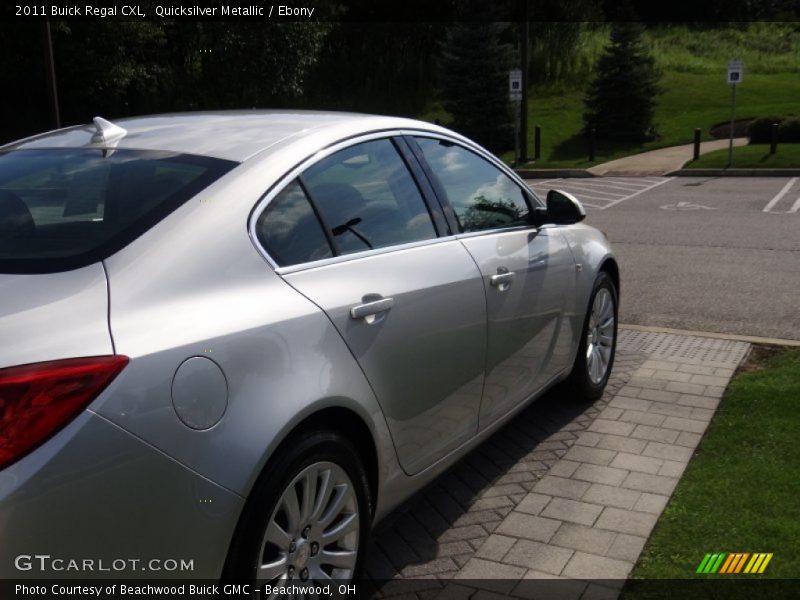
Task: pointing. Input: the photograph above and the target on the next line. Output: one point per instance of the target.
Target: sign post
(515, 95)
(735, 75)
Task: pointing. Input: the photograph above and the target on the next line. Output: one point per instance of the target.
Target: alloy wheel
(600, 336)
(312, 535)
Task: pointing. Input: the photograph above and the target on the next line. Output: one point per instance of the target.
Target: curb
(734, 173)
(752, 339)
(552, 173)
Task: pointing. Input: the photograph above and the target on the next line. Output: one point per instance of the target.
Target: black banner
(712, 588)
(423, 11)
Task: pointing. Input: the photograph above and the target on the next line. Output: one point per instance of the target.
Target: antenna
(107, 133)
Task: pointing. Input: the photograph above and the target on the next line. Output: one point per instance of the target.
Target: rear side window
(290, 231)
(368, 198)
(61, 209)
(482, 196)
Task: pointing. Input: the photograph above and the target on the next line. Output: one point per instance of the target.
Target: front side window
(482, 196)
(368, 198)
(61, 209)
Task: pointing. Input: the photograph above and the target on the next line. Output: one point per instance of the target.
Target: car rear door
(356, 233)
(528, 273)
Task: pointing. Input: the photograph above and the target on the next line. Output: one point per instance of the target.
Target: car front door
(528, 273)
(359, 236)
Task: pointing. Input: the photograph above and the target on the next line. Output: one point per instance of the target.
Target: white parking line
(629, 187)
(544, 192)
(542, 182)
(771, 204)
(592, 189)
(647, 189)
(795, 206)
(582, 196)
(605, 191)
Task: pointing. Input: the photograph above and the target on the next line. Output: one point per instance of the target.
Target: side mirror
(562, 209)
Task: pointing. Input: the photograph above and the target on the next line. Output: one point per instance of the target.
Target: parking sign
(515, 84)
(735, 71)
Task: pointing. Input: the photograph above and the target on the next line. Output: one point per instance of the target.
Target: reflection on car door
(414, 315)
(528, 275)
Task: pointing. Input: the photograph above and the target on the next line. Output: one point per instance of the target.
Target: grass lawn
(689, 100)
(741, 491)
(693, 66)
(755, 156)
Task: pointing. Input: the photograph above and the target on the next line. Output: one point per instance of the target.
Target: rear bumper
(97, 502)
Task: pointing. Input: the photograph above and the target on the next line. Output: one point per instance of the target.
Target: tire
(282, 540)
(595, 358)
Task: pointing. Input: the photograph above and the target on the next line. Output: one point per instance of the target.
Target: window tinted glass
(62, 209)
(290, 231)
(368, 198)
(483, 197)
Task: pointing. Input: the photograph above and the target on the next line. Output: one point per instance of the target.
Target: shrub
(789, 131)
(760, 129)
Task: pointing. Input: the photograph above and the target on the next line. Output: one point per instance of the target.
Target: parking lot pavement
(565, 490)
(714, 254)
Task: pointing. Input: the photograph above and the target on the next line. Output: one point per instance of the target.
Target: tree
(620, 102)
(474, 80)
(376, 67)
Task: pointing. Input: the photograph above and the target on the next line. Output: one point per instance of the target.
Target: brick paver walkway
(565, 490)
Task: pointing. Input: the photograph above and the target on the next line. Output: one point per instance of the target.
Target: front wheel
(598, 344)
(307, 521)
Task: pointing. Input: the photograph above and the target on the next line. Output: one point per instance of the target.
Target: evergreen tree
(620, 102)
(474, 82)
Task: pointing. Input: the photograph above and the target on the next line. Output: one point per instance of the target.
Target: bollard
(537, 143)
(591, 145)
(696, 143)
(773, 144)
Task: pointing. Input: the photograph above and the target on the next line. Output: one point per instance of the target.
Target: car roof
(230, 135)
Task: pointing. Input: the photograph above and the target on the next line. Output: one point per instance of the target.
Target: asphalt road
(708, 254)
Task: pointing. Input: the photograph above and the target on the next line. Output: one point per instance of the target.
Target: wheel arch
(352, 426)
(337, 419)
(610, 266)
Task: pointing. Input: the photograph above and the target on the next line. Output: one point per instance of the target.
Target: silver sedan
(232, 342)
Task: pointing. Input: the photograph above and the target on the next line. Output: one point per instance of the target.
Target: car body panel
(591, 250)
(53, 316)
(526, 315)
(253, 328)
(96, 492)
(231, 135)
(425, 356)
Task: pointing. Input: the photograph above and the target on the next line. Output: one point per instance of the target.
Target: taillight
(39, 399)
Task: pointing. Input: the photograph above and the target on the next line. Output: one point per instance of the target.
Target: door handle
(501, 279)
(370, 309)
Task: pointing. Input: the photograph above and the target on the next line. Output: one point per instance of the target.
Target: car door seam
(108, 307)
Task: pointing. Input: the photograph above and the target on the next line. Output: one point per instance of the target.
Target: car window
(290, 231)
(61, 209)
(368, 198)
(482, 196)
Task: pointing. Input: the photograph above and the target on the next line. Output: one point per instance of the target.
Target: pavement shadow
(433, 534)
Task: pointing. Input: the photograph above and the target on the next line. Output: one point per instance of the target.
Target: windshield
(61, 209)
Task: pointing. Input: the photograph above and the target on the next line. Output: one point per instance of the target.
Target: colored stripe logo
(734, 563)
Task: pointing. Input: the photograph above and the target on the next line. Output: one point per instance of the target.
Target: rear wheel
(307, 522)
(598, 344)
